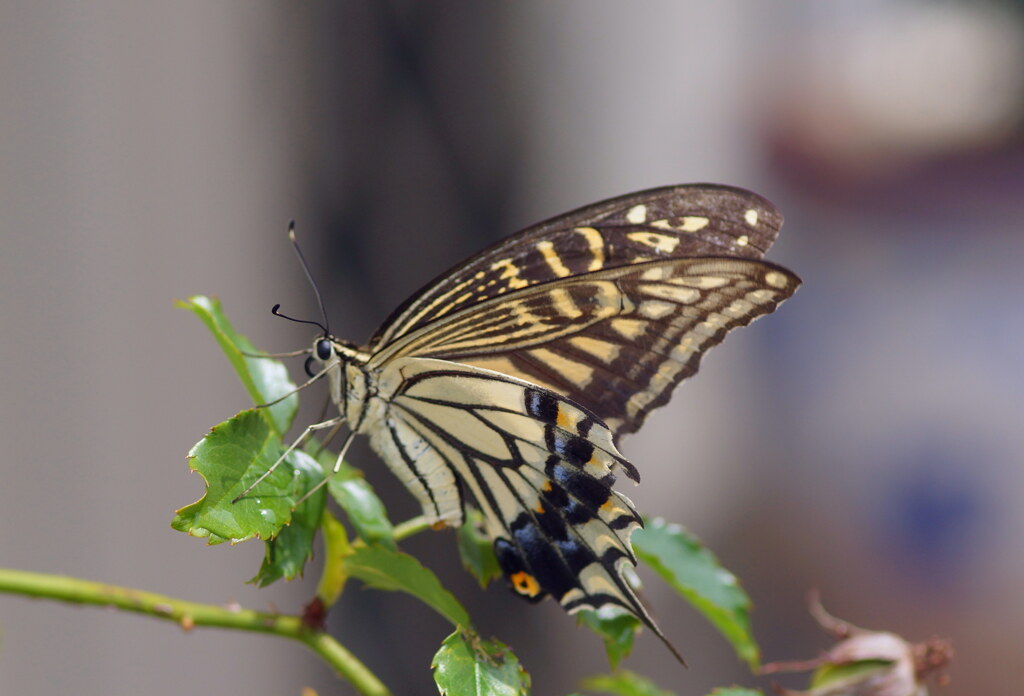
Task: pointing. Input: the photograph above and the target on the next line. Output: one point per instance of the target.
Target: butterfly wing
(539, 467)
(508, 376)
(618, 340)
(670, 222)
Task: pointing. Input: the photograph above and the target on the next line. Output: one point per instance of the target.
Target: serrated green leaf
(231, 456)
(694, 572)
(357, 498)
(466, 665)
(618, 631)
(624, 683)
(265, 379)
(384, 569)
(735, 691)
(476, 550)
(286, 554)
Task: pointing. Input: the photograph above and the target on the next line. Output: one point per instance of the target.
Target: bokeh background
(866, 440)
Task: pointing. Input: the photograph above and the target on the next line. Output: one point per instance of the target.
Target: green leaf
(830, 673)
(336, 549)
(476, 550)
(617, 630)
(265, 379)
(466, 665)
(357, 498)
(286, 554)
(624, 683)
(231, 456)
(384, 569)
(735, 691)
(694, 572)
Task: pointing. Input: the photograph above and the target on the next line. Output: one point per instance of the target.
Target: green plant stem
(193, 614)
(408, 528)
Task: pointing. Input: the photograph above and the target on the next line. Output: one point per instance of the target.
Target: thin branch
(193, 614)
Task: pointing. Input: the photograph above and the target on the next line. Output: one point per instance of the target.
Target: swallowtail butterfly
(504, 383)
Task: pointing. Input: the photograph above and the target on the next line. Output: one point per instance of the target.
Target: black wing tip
(672, 649)
(739, 194)
(649, 622)
(689, 198)
(632, 473)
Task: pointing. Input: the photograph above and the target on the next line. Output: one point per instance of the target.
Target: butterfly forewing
(671, 222)
(617, 340)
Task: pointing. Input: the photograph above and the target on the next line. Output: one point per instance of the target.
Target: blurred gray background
(866, 440)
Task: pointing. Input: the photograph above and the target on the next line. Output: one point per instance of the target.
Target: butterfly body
(504, 383)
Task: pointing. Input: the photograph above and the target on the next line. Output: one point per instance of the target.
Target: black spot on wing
(610, 556)
(573, 449)
(590, 492)
(583, 429)
(541, 405)
(551, 523)
(577, 555)
(577, 513)
(508, 558)
(623, 521)
(556, 496)
(541, 558)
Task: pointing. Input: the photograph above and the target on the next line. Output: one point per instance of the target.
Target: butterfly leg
(336, 469)
(298, 441)
(297, 389)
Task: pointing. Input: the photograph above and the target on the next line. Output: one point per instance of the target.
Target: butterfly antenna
(275, 311)
(291, 354)
(309, 277)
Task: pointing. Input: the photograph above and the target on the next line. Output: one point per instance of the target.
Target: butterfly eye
(323, 349)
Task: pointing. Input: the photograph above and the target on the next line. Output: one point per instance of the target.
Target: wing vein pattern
(505, 382)
(540, 470)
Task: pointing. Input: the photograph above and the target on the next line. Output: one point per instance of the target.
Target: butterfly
(503, 384)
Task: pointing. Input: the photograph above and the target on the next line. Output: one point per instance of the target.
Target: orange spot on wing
(563, 420)
(525, 584)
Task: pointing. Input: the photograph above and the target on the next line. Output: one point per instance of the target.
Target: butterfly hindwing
(540, 469)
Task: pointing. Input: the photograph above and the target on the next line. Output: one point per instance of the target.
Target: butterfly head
(323, 349)
(320, 355)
